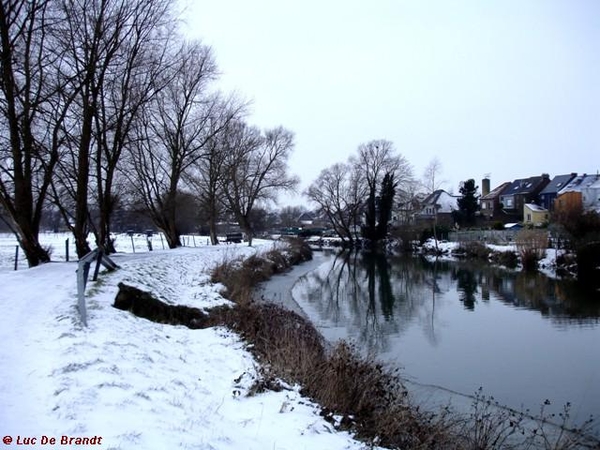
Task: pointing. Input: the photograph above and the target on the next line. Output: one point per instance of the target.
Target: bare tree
(205, 180)
(130, 83)
(431, 183)
(256, 170)
(432, 176)
(339, 191)
(209, 170)
(289, 215)
(378, 157)
(28, 116)
(109, 49)
(174, 133)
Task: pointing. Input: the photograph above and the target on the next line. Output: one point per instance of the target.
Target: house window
(528, 217)
(508, 202)
(484, 205)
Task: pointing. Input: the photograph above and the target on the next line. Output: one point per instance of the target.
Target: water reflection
(374, 296)
(460, 325)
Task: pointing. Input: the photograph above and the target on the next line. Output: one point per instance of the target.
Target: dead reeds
(356, 393)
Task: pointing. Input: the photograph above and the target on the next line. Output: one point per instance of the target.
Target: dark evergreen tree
(386, 203)
(369, 228)
(468, 204)
(379, 210)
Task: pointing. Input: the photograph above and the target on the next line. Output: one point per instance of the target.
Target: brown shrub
(531, 245)
(474, 249)
(369, 398)
(507, 259)
(286, 344)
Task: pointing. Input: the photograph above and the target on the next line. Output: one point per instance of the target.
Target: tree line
(104, 103)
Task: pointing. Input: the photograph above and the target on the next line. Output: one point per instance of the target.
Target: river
(455, 327)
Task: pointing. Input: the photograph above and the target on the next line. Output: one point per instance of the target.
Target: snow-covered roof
(534, 207)
(508, 226)
(581, 182)
(444, 202)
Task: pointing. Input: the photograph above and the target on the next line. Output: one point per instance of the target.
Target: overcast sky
(509, 88)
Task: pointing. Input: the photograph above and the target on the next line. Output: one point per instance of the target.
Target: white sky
(508, 88)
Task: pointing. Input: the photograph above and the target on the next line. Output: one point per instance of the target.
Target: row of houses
(528, 200)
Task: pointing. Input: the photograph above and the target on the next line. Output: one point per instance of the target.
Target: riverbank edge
(356, 394)
(388, 420)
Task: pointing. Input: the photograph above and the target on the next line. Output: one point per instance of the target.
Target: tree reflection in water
(374, 296)
(466, 283)
(456, 324)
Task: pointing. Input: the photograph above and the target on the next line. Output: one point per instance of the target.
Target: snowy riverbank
(132, 382)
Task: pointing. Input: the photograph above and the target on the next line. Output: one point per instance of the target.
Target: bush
(287, 345)
(355, 393)
(474, 249)
(406, 235)
(507, 259)
(531, 245)
(588, 263)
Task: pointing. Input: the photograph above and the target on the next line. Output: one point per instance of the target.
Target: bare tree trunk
(246, 228)
(171, 233)
(104, 229)
(80, 225)
(22, 33)
(212, 222)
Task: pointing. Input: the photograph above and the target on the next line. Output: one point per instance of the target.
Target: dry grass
(357, 393)
(241, 276)
(531, 245)
(287, 345)
(507, 259)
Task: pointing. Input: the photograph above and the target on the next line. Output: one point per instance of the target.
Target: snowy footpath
(127, 383)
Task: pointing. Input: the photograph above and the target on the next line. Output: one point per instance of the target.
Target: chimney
(485, 187)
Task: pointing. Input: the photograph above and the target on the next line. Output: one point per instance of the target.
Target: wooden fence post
(16, 257)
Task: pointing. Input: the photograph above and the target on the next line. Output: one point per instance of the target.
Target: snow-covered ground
(62, 245)
(135, 383)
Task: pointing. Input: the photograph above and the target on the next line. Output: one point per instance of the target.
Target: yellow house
(534, 215)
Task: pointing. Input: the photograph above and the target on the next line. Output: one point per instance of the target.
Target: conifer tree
(468, 204)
